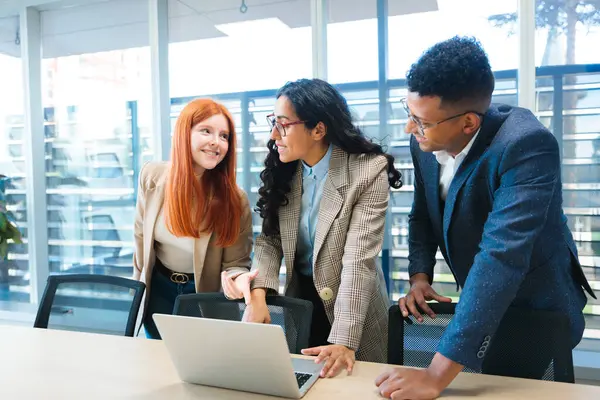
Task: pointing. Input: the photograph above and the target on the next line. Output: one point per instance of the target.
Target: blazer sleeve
(364, 241)
(268, 255)
(236, 258)
(138, 229)
(529, 172)
(422, 245)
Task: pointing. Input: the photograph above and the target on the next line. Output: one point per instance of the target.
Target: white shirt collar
(442, 156)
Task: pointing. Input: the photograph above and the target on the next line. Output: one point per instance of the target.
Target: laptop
(235, 355)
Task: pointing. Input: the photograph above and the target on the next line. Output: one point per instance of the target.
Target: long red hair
(212, 203)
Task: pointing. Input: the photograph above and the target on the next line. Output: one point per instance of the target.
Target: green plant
(8, 229)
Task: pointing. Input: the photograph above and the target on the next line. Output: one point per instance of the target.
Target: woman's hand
(257, 310)
(238, 287)
(337, 357)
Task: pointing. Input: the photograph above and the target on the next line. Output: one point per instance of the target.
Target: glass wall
(415, 26)
(15, 285)
(450, 18)
(216, 47)
(351, 41)
(568, 102)
(97, 111)
(239, 57)
(95, 71)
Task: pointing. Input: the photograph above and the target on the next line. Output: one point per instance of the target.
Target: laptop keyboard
(302, 378)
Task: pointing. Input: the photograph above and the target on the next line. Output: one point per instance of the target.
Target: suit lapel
(430, 171)
(289, 218)
(332, 200)
(489, 128)
(200, 246)
(154, 203)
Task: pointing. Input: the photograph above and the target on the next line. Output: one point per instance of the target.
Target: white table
(51, 364)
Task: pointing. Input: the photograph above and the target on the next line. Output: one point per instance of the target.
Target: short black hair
(456, 70)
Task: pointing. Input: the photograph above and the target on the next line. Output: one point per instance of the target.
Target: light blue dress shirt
(313, 181)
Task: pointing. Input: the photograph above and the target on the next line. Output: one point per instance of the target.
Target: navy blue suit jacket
(502, 231)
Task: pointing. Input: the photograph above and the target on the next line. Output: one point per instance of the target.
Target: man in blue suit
(488, 194)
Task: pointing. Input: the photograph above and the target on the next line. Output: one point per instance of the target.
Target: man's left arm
(529, 175)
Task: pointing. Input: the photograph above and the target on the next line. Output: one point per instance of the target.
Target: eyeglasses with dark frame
(273, 123)
(421, 126)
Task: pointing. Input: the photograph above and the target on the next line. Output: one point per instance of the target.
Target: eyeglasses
(421, 126)
(272, 120)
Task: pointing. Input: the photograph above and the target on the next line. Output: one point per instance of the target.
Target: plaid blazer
(348, 240)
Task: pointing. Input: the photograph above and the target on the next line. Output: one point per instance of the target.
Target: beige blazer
(348, 240)
(209, 259)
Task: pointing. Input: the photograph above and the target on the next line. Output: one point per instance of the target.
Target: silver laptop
(235, 355)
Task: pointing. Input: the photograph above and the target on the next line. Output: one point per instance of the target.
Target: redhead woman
(193, 223)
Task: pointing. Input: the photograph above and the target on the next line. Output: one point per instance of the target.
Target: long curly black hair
(314, 101)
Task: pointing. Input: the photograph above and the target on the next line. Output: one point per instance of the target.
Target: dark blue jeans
(163, 293)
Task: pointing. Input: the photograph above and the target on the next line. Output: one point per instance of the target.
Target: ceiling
(77, 26)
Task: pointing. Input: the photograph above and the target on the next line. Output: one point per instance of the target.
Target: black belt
(175, 277)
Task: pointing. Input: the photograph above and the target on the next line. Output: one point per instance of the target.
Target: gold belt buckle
(178, 277)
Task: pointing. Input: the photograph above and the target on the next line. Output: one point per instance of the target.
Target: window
(94, 71)
(450, 17)
(240, 59)
(15, 286)
(351, 41)
(568, 102)
(97, 113)
(415, 26)
(216, 48)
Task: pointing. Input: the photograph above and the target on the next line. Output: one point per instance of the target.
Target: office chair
(90, 303)
(293, 315)
(534, 344)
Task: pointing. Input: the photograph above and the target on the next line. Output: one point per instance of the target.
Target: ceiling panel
(192, 27)
(71, 28)
(8, 36)
(208, 6)
(94, 16)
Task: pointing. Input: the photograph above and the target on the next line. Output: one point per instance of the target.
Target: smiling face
(443, 127)
(209, 142)
(299, 142)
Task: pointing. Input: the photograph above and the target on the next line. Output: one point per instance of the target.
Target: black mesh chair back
(90, 303)
(293, 315)
(412, 343)
(534, 344)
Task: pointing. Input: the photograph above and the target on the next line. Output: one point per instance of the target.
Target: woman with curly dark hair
(323, 200)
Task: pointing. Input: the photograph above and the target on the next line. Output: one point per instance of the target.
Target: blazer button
(326, 294)
(480, 354)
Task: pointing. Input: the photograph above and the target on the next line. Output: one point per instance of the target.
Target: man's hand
(420, 292)
(408, 383)
(337, 357)
(418, 384)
